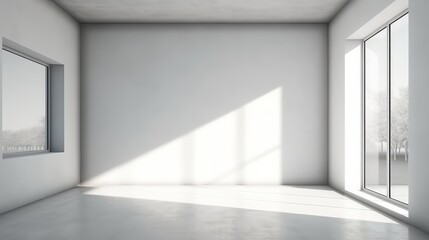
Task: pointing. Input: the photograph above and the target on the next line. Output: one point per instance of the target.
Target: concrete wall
(204, 104)
(419, 113)
(40, 26)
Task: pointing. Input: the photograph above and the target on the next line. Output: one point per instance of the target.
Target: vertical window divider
(363, 109)
(389, 130)
(48, 108)
(390, 136)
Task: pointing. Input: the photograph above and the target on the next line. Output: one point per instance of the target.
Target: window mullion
(389, 130)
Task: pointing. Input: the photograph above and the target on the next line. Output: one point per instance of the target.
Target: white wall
(344, 96)
(419, 113)
(41, 26)
(204, 104)
(343, 147)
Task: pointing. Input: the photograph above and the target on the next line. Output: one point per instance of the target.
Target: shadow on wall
(240, 147)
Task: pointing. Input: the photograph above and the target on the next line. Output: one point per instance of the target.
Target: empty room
(214, 119)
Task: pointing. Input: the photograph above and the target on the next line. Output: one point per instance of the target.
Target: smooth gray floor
(200, 212)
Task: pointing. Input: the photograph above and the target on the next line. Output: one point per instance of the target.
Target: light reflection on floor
(309, 200)
(201, 212)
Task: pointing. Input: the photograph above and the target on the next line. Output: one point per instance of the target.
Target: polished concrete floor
(200, 212)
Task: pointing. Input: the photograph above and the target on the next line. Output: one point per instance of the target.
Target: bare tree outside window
(386, 111)
(399, 109)
(376, 117)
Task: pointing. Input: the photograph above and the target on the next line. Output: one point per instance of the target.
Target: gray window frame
(388, 196)
(47, 102)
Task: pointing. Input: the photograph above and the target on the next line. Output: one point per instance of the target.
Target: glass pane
(24, 104)
(376, 125)
(399, 109)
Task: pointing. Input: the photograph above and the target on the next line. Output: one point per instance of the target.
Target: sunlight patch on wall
(241, 147)
(353, 116)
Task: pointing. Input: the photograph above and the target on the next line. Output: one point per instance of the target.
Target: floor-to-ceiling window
(386, 111)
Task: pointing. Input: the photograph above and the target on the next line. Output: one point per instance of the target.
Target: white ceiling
(219, 11)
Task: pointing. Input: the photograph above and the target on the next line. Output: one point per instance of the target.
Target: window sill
(29, 154)
(392, 209)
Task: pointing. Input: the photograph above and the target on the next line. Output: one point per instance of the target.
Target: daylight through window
(24, 104)
(386, 111)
